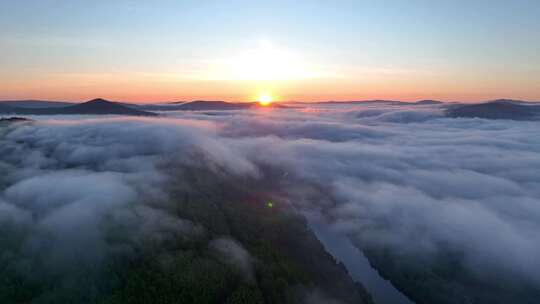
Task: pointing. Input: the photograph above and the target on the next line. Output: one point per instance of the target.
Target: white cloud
(398, 176)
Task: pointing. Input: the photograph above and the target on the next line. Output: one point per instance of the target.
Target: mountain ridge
(96, 106)
(497, 109)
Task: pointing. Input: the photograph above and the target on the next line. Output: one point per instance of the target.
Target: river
(339, 246)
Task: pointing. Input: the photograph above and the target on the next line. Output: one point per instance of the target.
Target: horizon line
(276, 101)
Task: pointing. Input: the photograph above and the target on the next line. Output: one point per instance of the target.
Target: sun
(265, 100)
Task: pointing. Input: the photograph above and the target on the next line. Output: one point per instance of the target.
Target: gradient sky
(302, 50)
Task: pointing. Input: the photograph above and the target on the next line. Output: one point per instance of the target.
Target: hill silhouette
(93, 107)
(497, 109)
(202, 105)
(34, 104)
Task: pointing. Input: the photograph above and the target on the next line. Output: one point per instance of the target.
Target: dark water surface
(339, 246)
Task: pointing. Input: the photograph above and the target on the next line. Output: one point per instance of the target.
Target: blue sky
(359, 49)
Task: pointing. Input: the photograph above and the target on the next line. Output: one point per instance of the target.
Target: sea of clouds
(399, 176)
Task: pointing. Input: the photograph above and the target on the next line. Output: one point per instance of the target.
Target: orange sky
(153, 88)
(235, 51)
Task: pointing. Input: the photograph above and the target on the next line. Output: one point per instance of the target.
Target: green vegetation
(444, 279)
(286, 260)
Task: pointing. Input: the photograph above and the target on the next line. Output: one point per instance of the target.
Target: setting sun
(265, 100)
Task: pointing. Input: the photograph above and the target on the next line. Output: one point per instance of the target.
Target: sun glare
(265, 100)
(268, 63)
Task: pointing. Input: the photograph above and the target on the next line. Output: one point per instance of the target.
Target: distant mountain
(13, 119)
(206, 105)
(93, 107)
(197, 105)
(497, 109)
(5, 108)
(34, 104)
(373, 101)
(428, 102)
(102, 106)
(172, 106)
(153, 107)
(162, 106)
(203, 105)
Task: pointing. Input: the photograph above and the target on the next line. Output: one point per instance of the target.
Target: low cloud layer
(403, 177)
